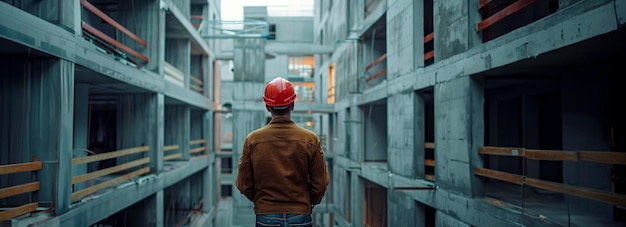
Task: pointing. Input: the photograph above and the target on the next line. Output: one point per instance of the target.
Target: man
(282, 168)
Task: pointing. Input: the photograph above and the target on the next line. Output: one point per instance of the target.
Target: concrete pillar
(207, 77)
(455, 27)
(81, 127)
(249, 82)
(356, 200)
(155, 133)
(208, 174)
(148, 212)
(70, 16)
(405, 30)
(459, 130)
(586, 127)
(419, 130)
(245, 122)
(356, 127)
(57, 77)
(208, 185)
(404, 157)
(402, 210)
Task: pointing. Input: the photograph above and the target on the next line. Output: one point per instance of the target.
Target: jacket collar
(281, 120)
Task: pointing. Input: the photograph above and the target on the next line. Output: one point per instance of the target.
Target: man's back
(283, 157)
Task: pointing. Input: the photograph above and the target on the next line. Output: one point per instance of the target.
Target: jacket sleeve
(318, 174)
(245, 174)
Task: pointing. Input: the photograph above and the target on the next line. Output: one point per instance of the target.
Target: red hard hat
(279, 92)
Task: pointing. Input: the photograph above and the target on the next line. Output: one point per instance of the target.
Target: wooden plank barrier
(172, 155)
(21, 210)
(19, 189)
(20, 167)
(109, 155)
(429, 162)
(108, 171)
(608, 197)
(174, 73)
(82, 193)
(197, 150)
(618, 158)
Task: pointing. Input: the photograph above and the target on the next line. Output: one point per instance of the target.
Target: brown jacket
(282, 168)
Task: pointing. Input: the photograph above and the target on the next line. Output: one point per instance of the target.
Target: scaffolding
(228, 29)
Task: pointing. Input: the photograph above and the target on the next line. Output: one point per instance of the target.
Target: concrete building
(432, 113)
(106, 111)
(474, 113)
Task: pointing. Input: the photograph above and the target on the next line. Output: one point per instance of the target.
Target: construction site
(430, 113)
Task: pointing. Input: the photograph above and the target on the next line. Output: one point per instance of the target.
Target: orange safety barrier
(518, 5)
(430, 54)
(374, 63)
(112, 22)
(100, 35)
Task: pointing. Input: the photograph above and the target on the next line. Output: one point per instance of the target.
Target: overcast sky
(233, 9)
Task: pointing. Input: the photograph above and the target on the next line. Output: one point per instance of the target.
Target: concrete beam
(282, 48)
(592, 17)
(285, 48)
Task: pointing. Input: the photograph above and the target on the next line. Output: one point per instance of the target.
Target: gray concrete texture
(459, 104)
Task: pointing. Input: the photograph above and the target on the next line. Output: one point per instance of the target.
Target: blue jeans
(284, 220)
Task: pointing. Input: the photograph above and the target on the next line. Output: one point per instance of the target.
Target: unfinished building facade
(474, 113)
(105, 113)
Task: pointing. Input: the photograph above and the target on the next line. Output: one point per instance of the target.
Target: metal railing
(108, 43)
(374, 63)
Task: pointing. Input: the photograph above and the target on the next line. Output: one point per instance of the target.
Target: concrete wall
(464, 118)
(293, 29)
